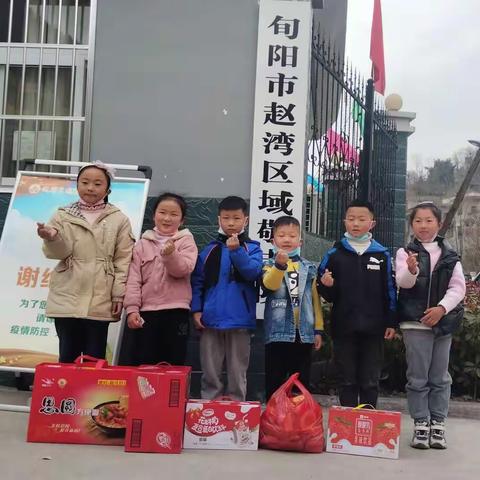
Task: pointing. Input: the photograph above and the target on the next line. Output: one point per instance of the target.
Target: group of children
(162, 278)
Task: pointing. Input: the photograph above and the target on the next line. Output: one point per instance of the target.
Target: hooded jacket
(364, 293)
(157, 282)
(93, 265)
(231, 302)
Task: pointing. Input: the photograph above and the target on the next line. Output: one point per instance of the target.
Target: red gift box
(358, 431)
(79, 403)
(222, 424)
(158, 395)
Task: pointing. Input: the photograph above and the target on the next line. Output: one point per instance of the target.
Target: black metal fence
(352, 148)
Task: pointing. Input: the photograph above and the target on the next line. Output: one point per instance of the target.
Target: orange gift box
(81, 402)
(158, 395)
(359, 431)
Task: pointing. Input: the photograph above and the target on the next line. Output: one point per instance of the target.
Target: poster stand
(140, 189)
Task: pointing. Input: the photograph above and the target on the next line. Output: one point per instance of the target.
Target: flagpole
(376, 82)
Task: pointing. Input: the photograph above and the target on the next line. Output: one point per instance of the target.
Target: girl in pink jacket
(158, 295)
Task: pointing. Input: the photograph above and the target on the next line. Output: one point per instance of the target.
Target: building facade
(45, 93)
(168, 84)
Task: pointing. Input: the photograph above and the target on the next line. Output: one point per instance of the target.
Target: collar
(159, 235)
(88, 207)
(242, 237)
(374, 246)
(364, 239)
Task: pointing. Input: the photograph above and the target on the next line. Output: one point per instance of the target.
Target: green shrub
(465, 353)
(464, 356)
(323, 375)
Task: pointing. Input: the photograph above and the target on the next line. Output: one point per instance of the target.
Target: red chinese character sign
(281, 100)
(27, 335)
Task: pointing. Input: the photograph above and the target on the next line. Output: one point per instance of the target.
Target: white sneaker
(437, 435)
(421, 436)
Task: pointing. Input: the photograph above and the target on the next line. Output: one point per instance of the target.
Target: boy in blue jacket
(224, 301)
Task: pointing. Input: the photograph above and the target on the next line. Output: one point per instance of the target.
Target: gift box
(222, 424)
(158, 396)
(359, 431)
(83, 402)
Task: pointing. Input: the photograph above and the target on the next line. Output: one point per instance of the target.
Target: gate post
(366, 157)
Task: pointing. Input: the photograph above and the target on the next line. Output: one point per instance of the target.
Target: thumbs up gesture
(327, 278)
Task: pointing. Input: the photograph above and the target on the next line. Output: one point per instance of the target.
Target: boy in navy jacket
(224, 301)
(356, 277)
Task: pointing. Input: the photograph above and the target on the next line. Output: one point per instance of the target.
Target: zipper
(429, 281)
(429, 288)
(359, 256)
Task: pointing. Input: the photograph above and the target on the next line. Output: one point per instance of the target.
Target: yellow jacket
(272, 280)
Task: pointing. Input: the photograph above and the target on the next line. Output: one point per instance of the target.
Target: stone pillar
(393, 104)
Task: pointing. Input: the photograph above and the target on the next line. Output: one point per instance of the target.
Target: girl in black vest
(432, 289)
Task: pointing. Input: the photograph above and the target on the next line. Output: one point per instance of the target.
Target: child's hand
(317, 345)
(412, 262)
(281, 258)
(117, 309)
(197, 321)
(327, 279)
(46, 231)
(389, 334)
(168, 248)
(433, 315)
(134, 320)
(232, 242)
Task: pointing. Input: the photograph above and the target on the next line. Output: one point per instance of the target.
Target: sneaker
(437, 435)
(421, 435)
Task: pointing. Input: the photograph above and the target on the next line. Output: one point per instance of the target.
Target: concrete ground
(20, 460)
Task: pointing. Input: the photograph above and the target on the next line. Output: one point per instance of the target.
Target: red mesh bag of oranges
(292, 420)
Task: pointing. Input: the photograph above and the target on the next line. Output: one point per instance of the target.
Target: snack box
(158, 396)
(79, 403)
(358, 431)
(222, 424)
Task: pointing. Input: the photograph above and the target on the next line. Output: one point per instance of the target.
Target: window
(60, 22)
(4, 19)
(44, 58)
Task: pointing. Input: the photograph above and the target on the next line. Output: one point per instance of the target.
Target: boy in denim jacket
(293, 317)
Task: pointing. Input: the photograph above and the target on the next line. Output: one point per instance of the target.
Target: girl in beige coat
(93, 241)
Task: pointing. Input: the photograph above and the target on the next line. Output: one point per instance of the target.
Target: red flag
(338, 144)
(376, 49)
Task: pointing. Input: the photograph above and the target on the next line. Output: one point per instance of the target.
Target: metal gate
(352, 148)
